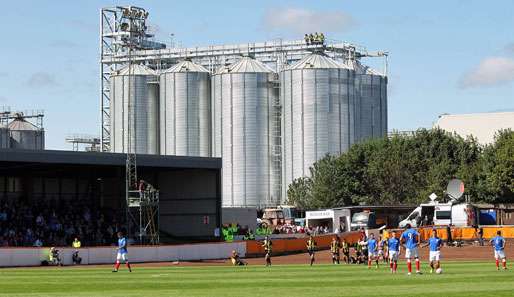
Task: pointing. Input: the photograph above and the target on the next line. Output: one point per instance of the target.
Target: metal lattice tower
(124, 31)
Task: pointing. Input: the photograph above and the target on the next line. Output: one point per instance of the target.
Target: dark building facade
(190, 187)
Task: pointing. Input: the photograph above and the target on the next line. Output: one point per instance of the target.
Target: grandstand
(189, 205)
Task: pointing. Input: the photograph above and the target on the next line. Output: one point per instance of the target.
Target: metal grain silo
(372, 98)
(246, 136)
(318, 113)
(140, 84)
(25, 135)
(185, 111)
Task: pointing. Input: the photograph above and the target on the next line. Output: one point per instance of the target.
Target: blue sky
(445, 56)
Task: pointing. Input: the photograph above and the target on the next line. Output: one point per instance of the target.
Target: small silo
(372, 106)
(25, 135)
(245, 109)
(139, 87)
(185, 112)
(318, 113)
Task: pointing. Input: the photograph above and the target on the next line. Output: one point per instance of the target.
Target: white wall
(10, 257)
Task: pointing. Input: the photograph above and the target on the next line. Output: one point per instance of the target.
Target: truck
(364, 219)
(283, 214)
(437, 214)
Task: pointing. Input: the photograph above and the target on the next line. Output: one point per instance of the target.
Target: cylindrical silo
(318, 113)
(372, 107)
(185, 110)
(135, 105)
(245, 109)
(25, 135)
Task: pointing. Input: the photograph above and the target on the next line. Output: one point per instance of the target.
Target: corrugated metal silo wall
(144, 121)
(185, 114)
(27, 139)
(4, 138)
(373, 106)
(318, 118)
(242, 127)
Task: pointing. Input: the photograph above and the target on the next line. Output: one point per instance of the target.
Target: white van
(437, 214)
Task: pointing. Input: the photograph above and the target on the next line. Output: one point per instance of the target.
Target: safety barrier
(462, 233)
(292, 245)
(11, 257)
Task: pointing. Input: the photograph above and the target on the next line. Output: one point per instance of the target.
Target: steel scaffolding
(123, 31)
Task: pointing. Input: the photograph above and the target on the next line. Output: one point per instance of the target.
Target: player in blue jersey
(435, 243)
(393, 246)
(410, 239)
(372, 244)
(498, 242)
(121, 253)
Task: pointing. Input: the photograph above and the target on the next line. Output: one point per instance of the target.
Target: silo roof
(246, 64)
(186, 66)
(136, 69)
(363, 69)
(20, 124)
(316, 61)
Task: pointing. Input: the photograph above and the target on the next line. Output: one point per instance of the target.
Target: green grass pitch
(458, 279)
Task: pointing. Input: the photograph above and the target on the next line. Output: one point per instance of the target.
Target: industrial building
(482, 126)
(269, 110)
(190, 187)
(22, 130)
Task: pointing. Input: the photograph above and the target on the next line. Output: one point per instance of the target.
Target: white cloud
(41, 79)
(300, 21)
(492, 71)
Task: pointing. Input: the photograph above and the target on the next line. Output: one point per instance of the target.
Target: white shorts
(393, 255)
(411, 253)
(380, 252)
(499, 254)
(434, 256)
(121, 256)
(372, 254)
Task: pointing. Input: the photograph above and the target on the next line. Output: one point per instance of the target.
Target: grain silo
(246, 136)
(25, 135)
(372, 102)
(185, 112)
(140, 84)
(318, 113)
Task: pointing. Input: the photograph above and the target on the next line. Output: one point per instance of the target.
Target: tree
(299, 193)
(500, 166)
(406, 169)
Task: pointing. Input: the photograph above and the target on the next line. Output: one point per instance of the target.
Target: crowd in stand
(229, 231)
(55, 223)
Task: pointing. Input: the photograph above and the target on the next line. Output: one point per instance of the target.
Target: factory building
(482, 126)
(20, 130)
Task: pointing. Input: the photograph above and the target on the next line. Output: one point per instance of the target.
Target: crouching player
(435, 244)
(236, 260)
(410, 238)
(122, 253)
(372, 250)
(393, 246)
(498, 243)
